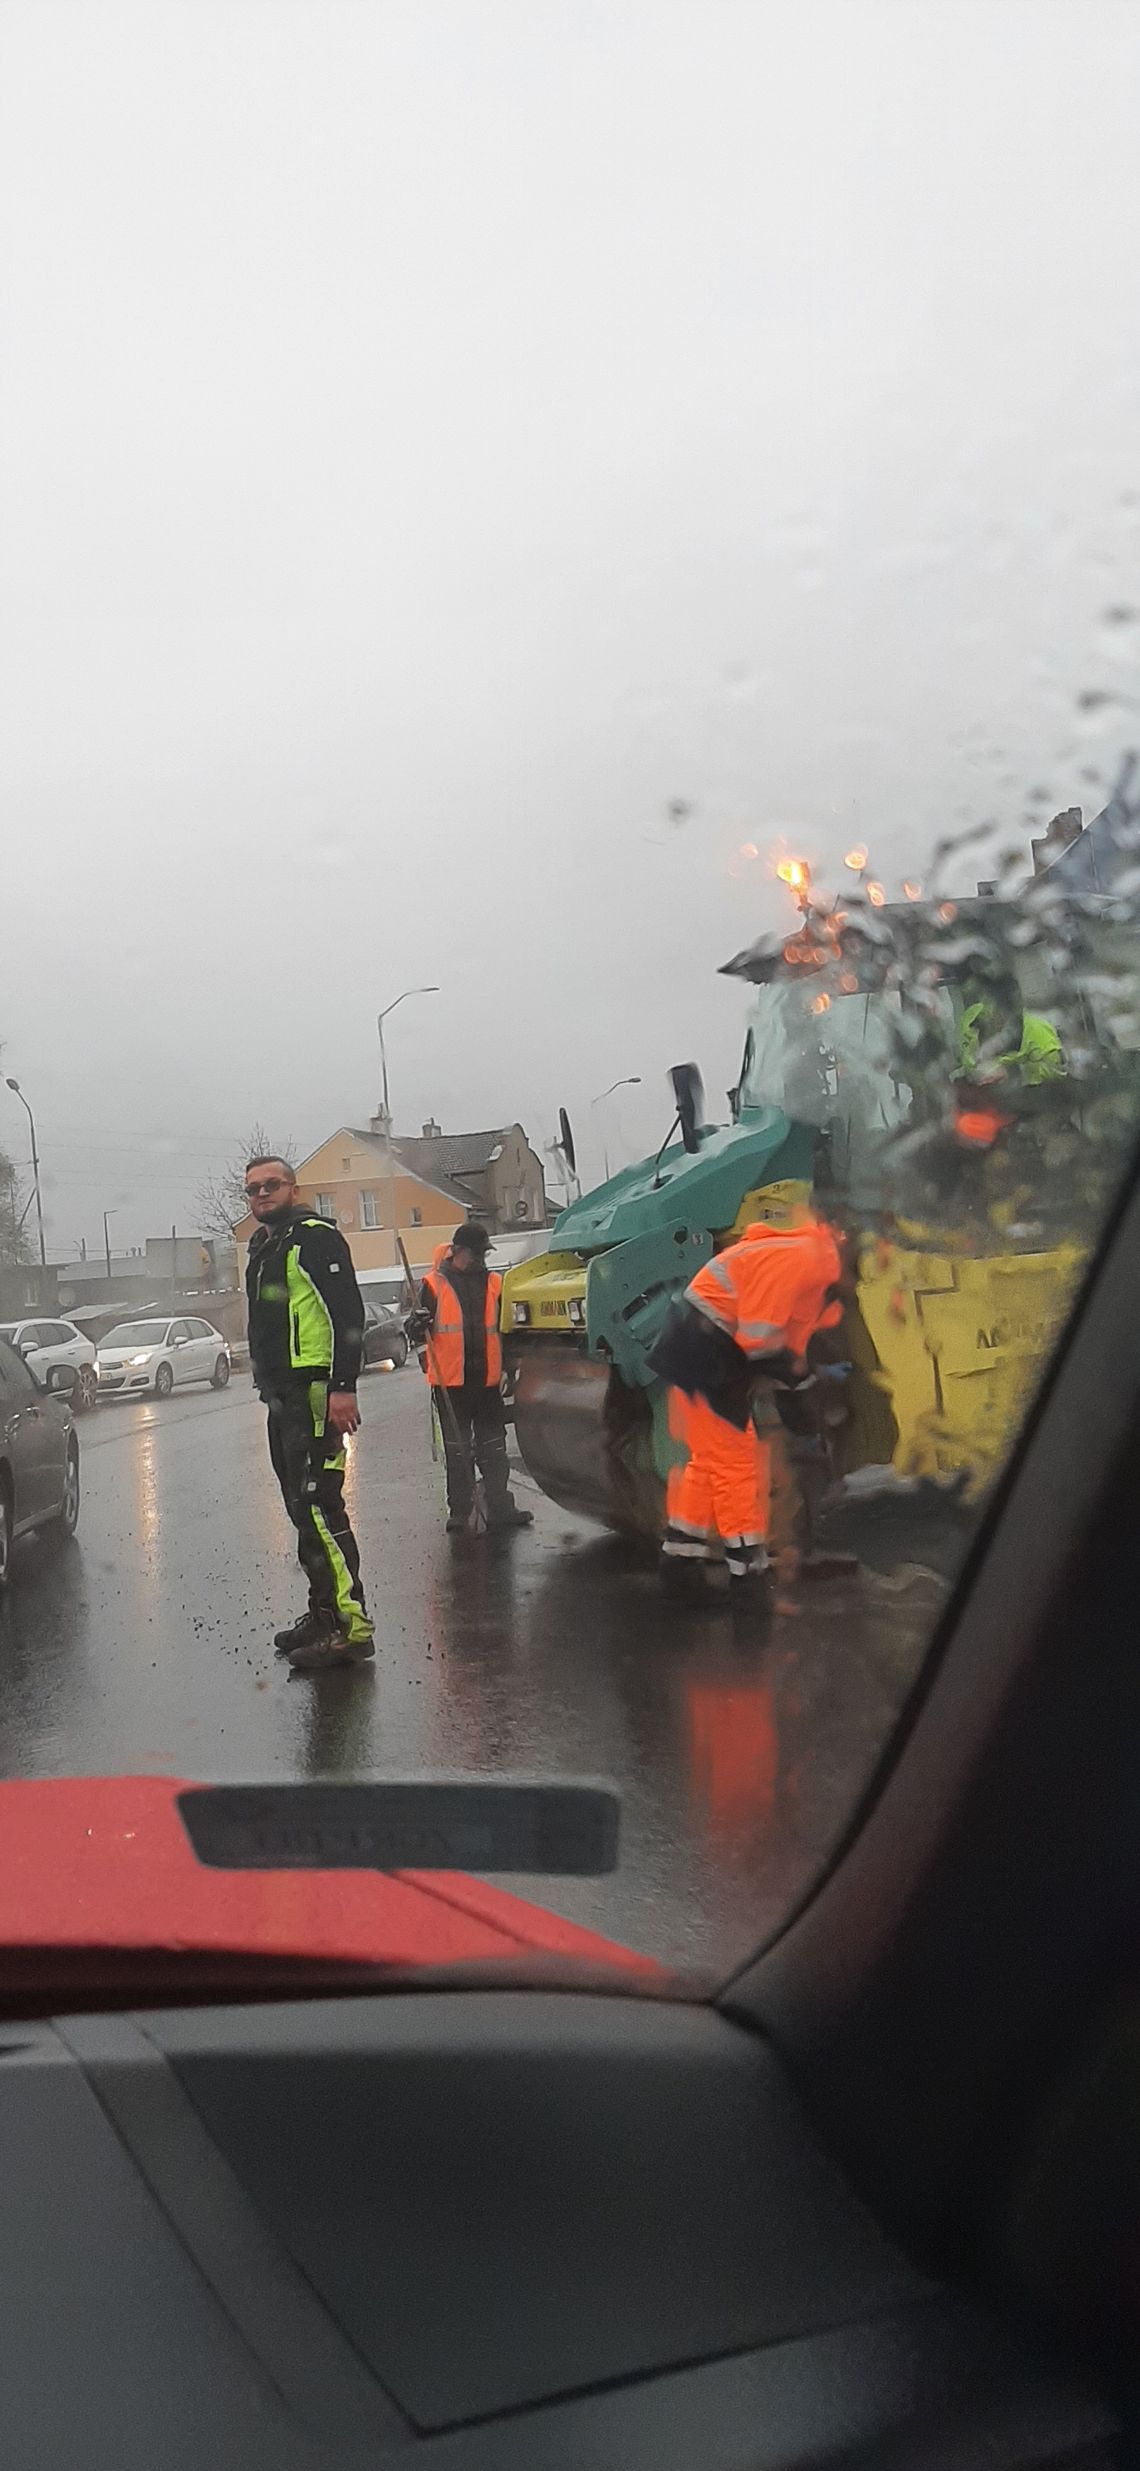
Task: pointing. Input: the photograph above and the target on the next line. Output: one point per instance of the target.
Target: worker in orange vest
(747, 1315)
(456, 1325)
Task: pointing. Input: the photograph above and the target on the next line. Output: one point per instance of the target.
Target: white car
(44, 1343)
(161, 1356)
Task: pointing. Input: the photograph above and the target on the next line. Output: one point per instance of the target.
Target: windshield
(571, 744)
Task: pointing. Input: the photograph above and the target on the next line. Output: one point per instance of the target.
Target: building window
(326, 1205)
(369, 1213)
(417, 1218)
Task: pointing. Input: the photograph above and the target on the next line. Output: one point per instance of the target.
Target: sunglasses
(270, 1184)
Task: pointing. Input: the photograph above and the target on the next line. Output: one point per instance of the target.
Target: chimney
(1056, 839)
(380, 1123)
(432, 1130)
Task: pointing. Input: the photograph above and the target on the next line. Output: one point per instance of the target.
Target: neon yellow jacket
(1039, 1057)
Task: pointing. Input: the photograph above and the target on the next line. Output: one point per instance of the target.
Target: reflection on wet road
(147, 1646)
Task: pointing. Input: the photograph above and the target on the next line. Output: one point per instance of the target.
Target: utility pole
(107, 1214)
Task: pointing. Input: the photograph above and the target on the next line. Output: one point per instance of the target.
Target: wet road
(146, 1646)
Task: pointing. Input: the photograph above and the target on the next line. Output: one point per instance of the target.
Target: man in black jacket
(306, 1328)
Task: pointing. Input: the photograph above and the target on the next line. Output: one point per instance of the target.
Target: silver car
(43, 1343)
(161, 1355)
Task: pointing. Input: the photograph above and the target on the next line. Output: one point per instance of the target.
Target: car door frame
(208, 1347)
(29, 1430)
(181, 1358)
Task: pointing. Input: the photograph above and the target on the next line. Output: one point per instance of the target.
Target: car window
(55, 1334)
(659, 487)
(16, 1382)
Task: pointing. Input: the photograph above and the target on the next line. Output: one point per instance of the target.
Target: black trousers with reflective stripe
(308, 1462)
(483, 1443)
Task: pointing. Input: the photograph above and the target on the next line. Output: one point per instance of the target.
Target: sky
(471, 474)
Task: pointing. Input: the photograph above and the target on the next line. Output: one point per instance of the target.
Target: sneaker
(512, 1516)
(301, 1633)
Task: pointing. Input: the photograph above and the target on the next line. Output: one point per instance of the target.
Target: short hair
(272, 1158)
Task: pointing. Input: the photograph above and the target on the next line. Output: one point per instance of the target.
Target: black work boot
(683, 1579)
(508, 1514)
(331, 1647)
(750, 1595)
(301, 1633)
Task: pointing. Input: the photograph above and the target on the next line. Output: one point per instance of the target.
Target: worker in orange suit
(747, 1316)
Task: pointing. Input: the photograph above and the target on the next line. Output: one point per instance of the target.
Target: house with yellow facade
(370, 1185)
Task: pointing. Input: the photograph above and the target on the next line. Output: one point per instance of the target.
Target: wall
(346, 1168)
(517, 1175)
(31, 1290)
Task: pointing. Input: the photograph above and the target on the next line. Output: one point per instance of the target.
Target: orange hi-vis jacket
(768, 1293)
(444, 1357)
(768, 1290)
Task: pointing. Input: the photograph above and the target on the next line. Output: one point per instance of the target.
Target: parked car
(384, 1339)
(162, 1355)
(44, 1343)
(39, 1451)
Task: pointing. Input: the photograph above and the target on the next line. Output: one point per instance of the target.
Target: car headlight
(521, 1315)
(145, 1357)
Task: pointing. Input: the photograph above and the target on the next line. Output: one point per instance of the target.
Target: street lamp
(14, 1085)
(381, 1018)
(386, 1110)
(629, 1081)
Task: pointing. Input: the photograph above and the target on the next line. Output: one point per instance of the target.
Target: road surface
(146, 1646)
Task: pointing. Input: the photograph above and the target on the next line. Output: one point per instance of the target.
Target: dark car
(39, 1451)
(384, 1339)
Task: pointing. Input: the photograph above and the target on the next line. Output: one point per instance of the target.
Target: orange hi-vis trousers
(721, 1491)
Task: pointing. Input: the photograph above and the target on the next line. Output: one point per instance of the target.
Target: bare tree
(221, 1199)
(15, 1242)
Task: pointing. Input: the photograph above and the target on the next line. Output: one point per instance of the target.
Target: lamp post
(629, 1081)
(14, 1085)
(381, 1018)
(108, 1214)
(385, 1103)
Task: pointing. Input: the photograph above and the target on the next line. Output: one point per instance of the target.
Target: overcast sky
(435, 437)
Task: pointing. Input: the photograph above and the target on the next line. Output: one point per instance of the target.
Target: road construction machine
(968, 1191)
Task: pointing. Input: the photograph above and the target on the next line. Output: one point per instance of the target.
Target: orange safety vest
(443, 1363)
(768, 1290)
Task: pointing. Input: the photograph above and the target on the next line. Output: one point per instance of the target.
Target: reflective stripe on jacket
(445, 1357)
(769, 1291)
